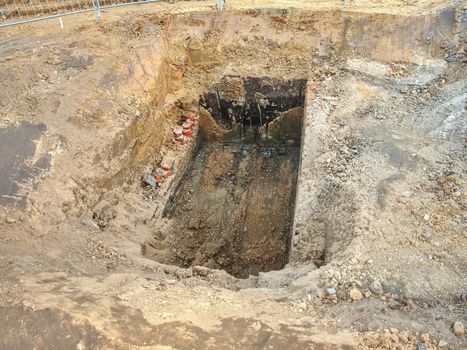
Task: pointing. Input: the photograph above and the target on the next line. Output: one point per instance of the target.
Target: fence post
(97, 10)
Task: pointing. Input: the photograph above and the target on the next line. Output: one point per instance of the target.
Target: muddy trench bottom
(233, 210)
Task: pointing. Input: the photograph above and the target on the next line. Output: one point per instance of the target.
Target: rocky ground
(378, 248)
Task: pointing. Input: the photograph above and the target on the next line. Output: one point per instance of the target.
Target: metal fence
(14, 12)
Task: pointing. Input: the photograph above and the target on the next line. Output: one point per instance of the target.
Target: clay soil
(349, 234)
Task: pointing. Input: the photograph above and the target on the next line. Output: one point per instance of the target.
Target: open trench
(233, 208)
(307, 126)
(232, 202)
(326, 167)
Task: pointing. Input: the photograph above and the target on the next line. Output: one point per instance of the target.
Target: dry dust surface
(377, 254)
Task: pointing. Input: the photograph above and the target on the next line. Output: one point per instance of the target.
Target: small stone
(458, 328)
(92, 224)
(376, 287)
(10, 221)
(201, 271)
(420, 346)
(111, 265)
(331, 291)
(410, 304)
(425, 337)
(103, 215)
(442, 343)
(427, 233)
(355, 294)
(403, 338)
(452, 178)
(372, 342)
(393, 304)
(178, 130)
(453, 58)
(402, 200)
(441, 180)
(194, 224)
(406, 194)
(368, 294)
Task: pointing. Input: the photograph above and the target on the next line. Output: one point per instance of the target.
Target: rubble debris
(452, 178)
(187, 125)
(184, 131)
(160, 175)
(104, 216)
(376, 287)
(167, 163)
(191, 117)
(355, 294)
(421, 346)
(442, 343)
(181, 135)
(458, 329)
(178, 131)
(149, 180)
(441, 180)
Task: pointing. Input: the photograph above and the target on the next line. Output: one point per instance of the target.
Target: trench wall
(205, 46)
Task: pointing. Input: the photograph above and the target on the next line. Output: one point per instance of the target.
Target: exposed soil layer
(234, 207)
(377, 255)
(233, 211)
(17, 164)
(252, 100)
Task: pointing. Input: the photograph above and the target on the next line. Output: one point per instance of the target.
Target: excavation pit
(233, 207)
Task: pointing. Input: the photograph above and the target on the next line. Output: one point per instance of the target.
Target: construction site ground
(367, 225)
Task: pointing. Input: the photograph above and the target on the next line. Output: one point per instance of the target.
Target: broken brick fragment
(167, 163)
(187, 125)
(178, 130)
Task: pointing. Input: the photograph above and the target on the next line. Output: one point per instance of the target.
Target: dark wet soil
(23, 328)
(17, 147)
(233, 210)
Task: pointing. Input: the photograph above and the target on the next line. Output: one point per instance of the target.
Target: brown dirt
(377, 256)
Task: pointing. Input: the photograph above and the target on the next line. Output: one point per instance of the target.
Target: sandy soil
(378, 243)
